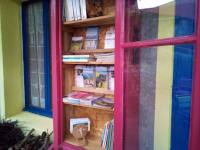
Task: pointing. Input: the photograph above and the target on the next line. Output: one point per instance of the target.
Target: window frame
(47, 111)
(122, 45)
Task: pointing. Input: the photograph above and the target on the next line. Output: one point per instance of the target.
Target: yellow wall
(11, 51)
(164, 79)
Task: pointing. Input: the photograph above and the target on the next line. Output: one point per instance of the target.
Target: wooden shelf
(93, 90)
(93, 143)
(102, 20)
(87, 106)
(88, 63)
(92, 51)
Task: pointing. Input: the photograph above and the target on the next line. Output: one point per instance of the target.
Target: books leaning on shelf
(107, 57)
(108, 136)
(110, 38)
(78, 58)
(74, 10)
(92, 36)
(76, 43)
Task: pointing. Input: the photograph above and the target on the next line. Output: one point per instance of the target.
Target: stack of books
(108, 136)
(107, 57)
(82, 98)
(89, 99)
(78, 58)
(74, 10)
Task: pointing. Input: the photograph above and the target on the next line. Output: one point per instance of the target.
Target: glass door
(156, 66)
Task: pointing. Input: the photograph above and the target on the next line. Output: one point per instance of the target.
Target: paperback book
(79, 81)
(92, 35)
(76, 43)
(88, 77)
(101, 77)
(110, 38)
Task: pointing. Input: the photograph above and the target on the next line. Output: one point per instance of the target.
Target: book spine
(83, 9)
(69, 8)
(78, 9)
(74, 9)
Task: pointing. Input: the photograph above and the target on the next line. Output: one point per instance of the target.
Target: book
(77, 121)
(91, 40)
(111, 79)
(75, 97)
(74, 9)
(76, 43)
(79, 81)
(83, 9)
(103, 103)
(110, 38)
(69, 10)
(94, 8)
(89, 76)
(77, 9)
(89, 99)
(78, 58)
(101, 77)
(107, 57)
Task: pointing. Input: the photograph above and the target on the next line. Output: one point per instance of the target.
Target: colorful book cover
(76, 43)
(88, 76)
(79, 121)
(92, 35)
(101, 77)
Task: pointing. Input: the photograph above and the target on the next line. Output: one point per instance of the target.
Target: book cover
(111, 78)
(110, 38)
(76, 43)
(101, 77)
(79, 81)
(91, 40)
(89, 99)
(88, 76)
(78, 121)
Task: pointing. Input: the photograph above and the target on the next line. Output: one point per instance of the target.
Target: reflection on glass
(158, 97)
(36, 54)
(176, 18)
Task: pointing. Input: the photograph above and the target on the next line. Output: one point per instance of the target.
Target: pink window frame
(121, 45)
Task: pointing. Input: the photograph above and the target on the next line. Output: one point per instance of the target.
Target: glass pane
(158, 97)
(36, 54)
(176, 18)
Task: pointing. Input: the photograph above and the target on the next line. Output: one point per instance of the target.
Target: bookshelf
(88, 63)
(97, 115)
(84, 51)
(95, 21)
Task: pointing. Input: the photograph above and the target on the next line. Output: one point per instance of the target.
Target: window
(36, 56)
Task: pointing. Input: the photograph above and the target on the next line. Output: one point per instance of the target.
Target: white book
(83, 9)
(69, 9)
(74, 9)
(78, 10)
